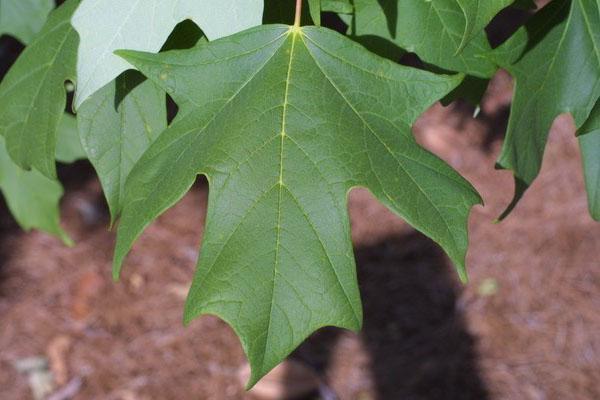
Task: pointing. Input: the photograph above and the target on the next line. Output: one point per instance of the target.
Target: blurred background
(527, 326)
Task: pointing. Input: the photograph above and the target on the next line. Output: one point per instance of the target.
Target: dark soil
(527, 326)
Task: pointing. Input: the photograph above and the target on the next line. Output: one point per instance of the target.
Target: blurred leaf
(32, 198)
(23, 19)
(32, 94)
(315, 11)
(337, 6)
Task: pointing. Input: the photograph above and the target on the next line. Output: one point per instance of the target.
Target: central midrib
(281, 186)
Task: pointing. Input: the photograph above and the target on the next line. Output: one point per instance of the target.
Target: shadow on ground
(414, 330)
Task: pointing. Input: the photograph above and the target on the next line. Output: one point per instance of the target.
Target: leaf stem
(298, 13)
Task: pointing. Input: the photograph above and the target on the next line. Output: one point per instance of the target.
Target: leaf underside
(107, 25)
(290, 120)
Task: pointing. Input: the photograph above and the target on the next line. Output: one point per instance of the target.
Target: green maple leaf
(23, 18)
(290, 120)
(477, 15)
(107, 25)
(32, 103)
(32, 94)
(589, 143)
(558, 72)
(117, 124)
(32, 198)
(120, 121)
(446, 33)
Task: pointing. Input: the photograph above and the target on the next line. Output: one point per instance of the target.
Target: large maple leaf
(290, 120)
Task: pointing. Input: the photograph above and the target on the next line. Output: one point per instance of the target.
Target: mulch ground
(527, 326)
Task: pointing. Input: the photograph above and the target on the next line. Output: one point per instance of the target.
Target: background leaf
(558, 72)
(438, 31)
(337, 6)
(315, 115)
(32, 94)
(315, 11)
(108, 25)
(23, 19)
(31, 197)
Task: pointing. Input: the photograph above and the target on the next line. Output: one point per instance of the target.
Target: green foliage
(145, 26)
(32, 94)
(23, 19)
(117, 124)
(558, 72)
(445, 33)
(315, 11)
(309, 125)
(337, 6)
(283, 121)
(31, 197)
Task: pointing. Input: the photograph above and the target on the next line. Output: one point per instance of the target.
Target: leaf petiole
(298, 17)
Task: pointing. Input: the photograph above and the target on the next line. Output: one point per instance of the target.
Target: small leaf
(558, 72)
(290, 120)
(23, 19)
(32, 94)
(589, 143)
(107, 25)
(31, 197)
(117, 124)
